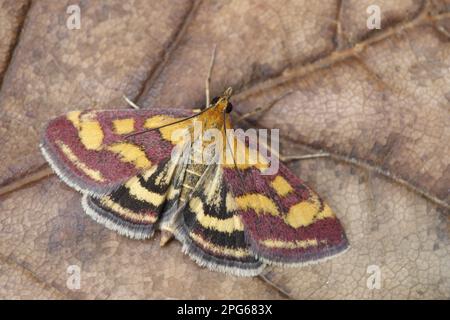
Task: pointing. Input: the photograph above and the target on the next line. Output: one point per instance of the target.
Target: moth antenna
(131, 103)
(166, 125)
(228, 92)
(208, 78)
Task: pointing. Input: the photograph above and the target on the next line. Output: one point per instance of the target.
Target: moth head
(222, 102)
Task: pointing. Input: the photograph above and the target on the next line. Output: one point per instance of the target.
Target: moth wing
(211, 229)
(135, 207)
(285, 221)
(89, 150)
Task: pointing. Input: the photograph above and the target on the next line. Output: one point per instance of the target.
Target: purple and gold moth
(133, 173)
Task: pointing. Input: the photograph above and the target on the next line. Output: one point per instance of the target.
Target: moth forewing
(188, 174)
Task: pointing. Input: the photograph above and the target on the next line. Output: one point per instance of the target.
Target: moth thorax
(194, 171)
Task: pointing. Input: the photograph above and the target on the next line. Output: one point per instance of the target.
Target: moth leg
(166, 237)
(296, 157)
(166, 234)
(266, 276)
(304, 156)
(208, 78)
(131, 103)
(167, 231)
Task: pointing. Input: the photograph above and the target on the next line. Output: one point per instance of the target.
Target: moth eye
(215, 100)
(229, 107)
(212, 102)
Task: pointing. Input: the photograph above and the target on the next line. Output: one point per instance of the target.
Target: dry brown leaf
(377, 101)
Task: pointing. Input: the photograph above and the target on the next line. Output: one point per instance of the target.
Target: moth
(136, 177)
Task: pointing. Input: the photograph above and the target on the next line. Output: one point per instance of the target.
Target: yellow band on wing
(281, 186)
(94, 174)
(307, 212)
(167, 132)
(127, 213)
(74, 117)
(279, 244)
(236, 153)
(89, 130)
(123, 126)
(139, 192)
(257, 202)
(91, 134)
(228, 225)
(238, 253)
(131, 153)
